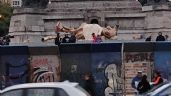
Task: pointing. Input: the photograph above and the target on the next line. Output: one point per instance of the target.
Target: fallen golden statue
(84, 31)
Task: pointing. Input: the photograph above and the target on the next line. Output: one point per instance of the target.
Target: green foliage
(6, 13)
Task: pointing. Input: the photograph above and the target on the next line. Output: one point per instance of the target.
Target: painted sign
(45, 68)
(134, 62)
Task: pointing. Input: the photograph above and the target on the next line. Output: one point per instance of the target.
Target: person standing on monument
(94, 37)
(99, 39)
(66, 39)
(57, 39)
(148, 38)
(160, 37)
(72, 38)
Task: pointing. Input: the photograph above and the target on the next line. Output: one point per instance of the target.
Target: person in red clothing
(157, 79)
(94, 37)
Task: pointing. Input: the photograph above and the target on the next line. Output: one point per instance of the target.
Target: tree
(5, 16)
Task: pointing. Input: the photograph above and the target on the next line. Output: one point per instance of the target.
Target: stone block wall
(135, 23)
(27, 25)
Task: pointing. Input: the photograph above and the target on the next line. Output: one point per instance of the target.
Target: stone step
(133, 9)
(102, 5)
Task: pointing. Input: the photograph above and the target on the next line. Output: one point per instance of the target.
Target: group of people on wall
(142, 85)
(160, 37)
(70, 38)
(94, 33)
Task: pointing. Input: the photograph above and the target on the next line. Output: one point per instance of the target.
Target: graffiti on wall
(114, 81)
(134, 62)
(138, 57)
(106, 69)
(45, 69)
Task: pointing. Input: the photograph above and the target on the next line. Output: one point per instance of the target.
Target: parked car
(161, 90)
(45, 89)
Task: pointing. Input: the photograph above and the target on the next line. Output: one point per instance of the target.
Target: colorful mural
(106, 69)
(44, 68)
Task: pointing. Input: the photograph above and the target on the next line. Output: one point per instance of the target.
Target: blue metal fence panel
(14, 62)
(162, 59)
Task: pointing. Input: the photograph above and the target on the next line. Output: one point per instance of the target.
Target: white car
(161, 90)
(45, 89)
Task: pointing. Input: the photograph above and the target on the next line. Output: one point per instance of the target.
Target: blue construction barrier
(106, 68)
(72, 61)
(44, 64)
(14, 65)
(162, 58)
(97, 59)
(75, 61)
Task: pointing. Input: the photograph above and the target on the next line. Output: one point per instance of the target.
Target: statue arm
(48, 38)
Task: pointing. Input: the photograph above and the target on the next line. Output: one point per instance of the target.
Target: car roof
(40, 85)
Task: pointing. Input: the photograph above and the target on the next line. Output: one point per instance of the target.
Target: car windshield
(81, 89)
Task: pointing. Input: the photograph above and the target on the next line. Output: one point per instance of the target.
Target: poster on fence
(134, 62)
(106, 70)
(106, 66)
(74, 66)
(44, 68)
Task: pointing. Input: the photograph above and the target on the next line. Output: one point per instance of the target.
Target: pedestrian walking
(89, 84)
(144, 85)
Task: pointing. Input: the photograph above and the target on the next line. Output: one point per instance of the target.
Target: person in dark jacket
(160, 37)
(148, 38)
(89, 83)
(66, 39)
(57, 39)
(72, 38)
(144, 85)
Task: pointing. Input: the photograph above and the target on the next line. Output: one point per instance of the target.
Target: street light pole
(0, 16)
